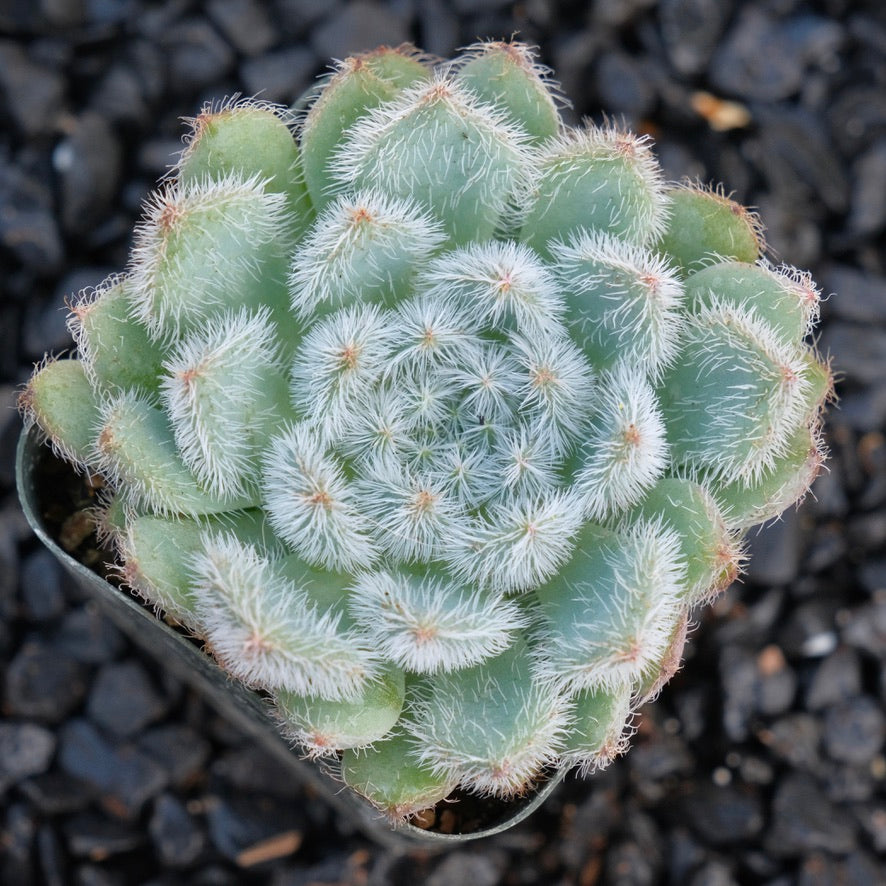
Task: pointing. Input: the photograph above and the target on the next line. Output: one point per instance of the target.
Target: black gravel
(763, 761)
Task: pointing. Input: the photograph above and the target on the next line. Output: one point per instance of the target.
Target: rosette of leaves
(434, 417)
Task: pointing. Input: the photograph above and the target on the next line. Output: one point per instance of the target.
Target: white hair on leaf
(189, 233)
(517, 545)
(310, 504)
(609, 616)
(432, 333)
(218, 394)
(362, 247)
(626, 449)
(428, 623)
(556, 389)
(411, 514)
(505, 283)
(265, 631)
(624, 300)
(338, 363)
(492, 727)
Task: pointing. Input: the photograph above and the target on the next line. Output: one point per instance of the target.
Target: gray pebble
(836, 679)
(360, 26)
(33, 93)
(43, 597)
(28, 227)
(178, 839)
(88, 636)
(804, 820)
(868, 208)
(43, 683)
(180, 750)
(123, 699)
(88, 164)
(244, 23)
(57, 793)
(854, 730)
(851, 293)
(125, 777)
(280, 76)
(858, 352)
(724, 815)
(89, 835)
(197, 55)
(25, 750)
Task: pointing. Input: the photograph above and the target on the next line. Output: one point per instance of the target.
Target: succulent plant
(434, 417)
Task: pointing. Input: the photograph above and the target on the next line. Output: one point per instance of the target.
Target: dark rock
(809, 629)
(872, 818)
(762, 684)
(439, 27)
(691, 30)
(826, 548)
(859, 352)
(25, 749)
(177, 838)
(775, 551)
(43, 683)
(27, 225)
(123, 699)
(623, 86)
(89, 835)
(32, 93)
(854, 730)
(197, 55)
(860, 869)
(88, 636)
(872, 575)
(817, 870)
(868, 210)
(800, 164)
(661, 759)
(125, 777)
(724, 815)
(865, 409)
(293, 17)
(280, 76)
(867, 532)
(836, 679)
(50, 857)
(244, 23)
(19, 829)
(239, 823)
(41, 579)
(57, 793)
(803, 820)
(251, 769)
(180, 750)
(765, 59)
(685, 855)
(856, 116)
(628, 865)
(795, 739)
(754, 61)
(846, 784)
(88, 164)
(714, 873)
(466, 866)
(852, 294)
(866, 628)
(95, 875)
(357, 27)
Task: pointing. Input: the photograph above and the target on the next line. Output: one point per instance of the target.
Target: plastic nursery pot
(246, 709)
